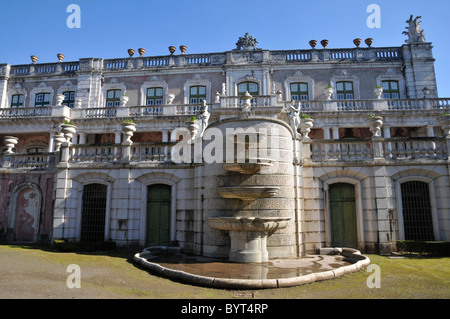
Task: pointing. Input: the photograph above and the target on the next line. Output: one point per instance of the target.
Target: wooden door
(158, 215)
(343, 215)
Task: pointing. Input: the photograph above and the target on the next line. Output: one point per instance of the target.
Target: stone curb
(352, 255)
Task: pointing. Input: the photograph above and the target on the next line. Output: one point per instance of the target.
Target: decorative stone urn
(375, 122)
(183, 48)
(124, 100)
(78, 103)
(313, 43)
(306, 125)
(170, 97)
(60, 57)
(324, 43)
(59, 139)
(249, 235)
(141, 51)
(128, 129)
(68, 130)
(172, 49)
(193, 126)
(10, 143)
(59, 99)
(357, 42)
(246, 98)
(378, 91)
(444, 122)
(328, 92)
(131, 52)
(369, 42)
(34, 58)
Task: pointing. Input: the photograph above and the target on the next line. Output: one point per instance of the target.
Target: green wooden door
(343, 215)
(158, 215)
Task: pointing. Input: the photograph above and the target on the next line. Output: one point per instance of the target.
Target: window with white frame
(391, 89)
(154, 96)
(69, 99)
(344, 90)
(42, 99)
(299, 91)
(197, 94)
(113, 98)
(17, 100)
(251, 87)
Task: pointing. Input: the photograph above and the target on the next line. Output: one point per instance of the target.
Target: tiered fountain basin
(248, 192)
(249, 235)
(248, 168)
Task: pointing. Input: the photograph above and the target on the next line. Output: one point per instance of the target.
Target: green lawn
(39, 272)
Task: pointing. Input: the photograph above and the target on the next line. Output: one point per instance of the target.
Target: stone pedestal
(249, 236)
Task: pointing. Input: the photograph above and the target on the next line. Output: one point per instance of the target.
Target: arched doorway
(343, 215)
(417, 211)
(93, 212)
(158, 215)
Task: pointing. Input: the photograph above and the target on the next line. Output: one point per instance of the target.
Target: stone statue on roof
(246, 43)
(415, 33)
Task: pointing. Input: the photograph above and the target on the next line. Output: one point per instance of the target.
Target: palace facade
(362, 137)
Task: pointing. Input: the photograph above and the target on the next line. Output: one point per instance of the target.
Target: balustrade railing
(15, 112)
(341, 150)
(80, 153)
(152, 151)
(39, 161)
(114, 153)
(392, 149)
(101, 112)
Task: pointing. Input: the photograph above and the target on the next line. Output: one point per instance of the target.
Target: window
(113, 98)
(155, 96)
(251, 87)
(391, 90)
(299, 92)
(197, 94)
(417, 215)
(17, 100)
(35, 150)
(93, 213)
(42, 99)
(344, 90)
(69, 99)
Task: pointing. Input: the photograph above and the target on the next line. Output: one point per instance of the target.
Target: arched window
(251, 87)
(93, 213)
(417, 214)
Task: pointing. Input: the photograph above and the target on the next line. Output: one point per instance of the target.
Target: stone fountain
(253, 190)
(249, 235)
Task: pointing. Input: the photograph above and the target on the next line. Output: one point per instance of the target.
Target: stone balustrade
(365, 150)
(206, 59)
(35, 162)
(442, 104)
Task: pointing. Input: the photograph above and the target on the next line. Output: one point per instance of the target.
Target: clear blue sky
(109, 28)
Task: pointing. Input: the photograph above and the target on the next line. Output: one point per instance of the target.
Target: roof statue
(246, 43)
(415, 33)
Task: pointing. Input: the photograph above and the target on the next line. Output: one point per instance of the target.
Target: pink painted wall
(31, 215)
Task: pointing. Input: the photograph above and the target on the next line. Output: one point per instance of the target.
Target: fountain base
(248, 236)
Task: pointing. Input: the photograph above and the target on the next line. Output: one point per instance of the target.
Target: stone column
(82, 139)
(387, 134)
(4, 77)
